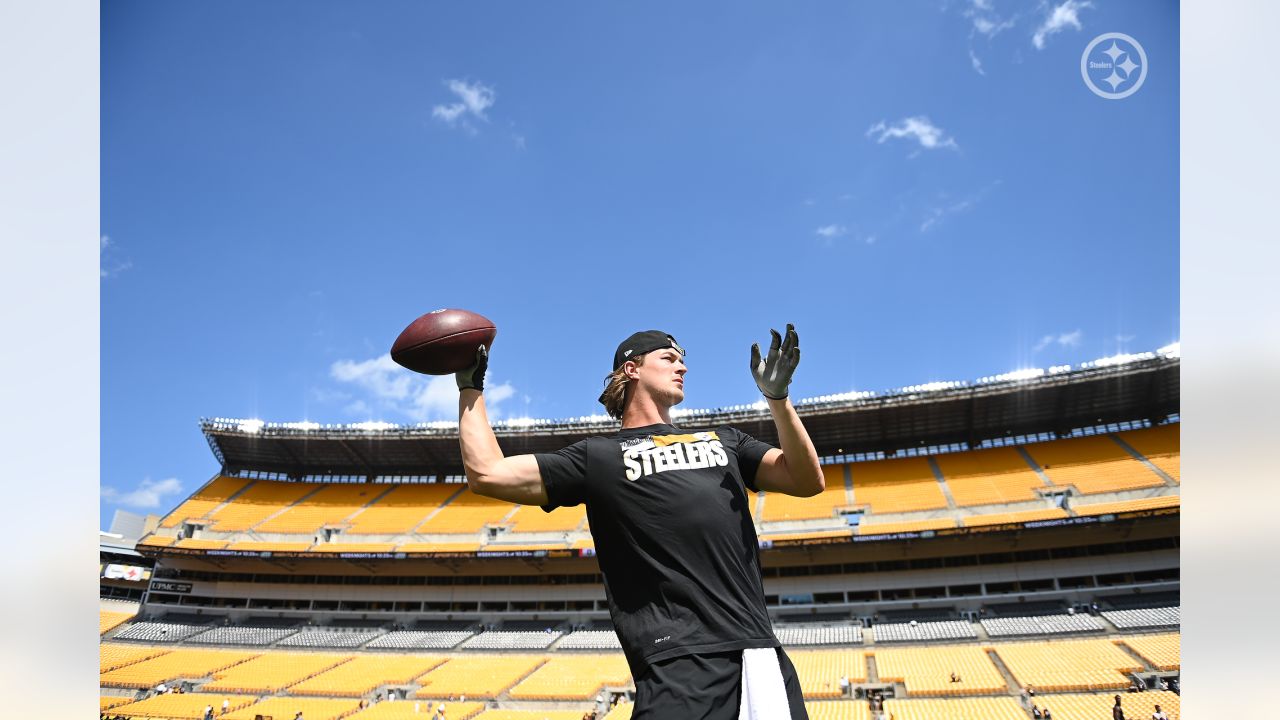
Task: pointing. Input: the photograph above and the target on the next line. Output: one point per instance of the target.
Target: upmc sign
(172, 587)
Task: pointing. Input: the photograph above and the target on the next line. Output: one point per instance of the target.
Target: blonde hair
(615, 390)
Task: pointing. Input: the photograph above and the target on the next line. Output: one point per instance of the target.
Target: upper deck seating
(1042, 625)
(152, 631)
(108, 621)
(573, 677)
(1160, 445)
(512, 640)
(899, 485)
(1151, 503)
(477, 675)
(467, 513)
(328, 506)
(364, 673)
(590, 640)
(940, 630)
(779, 506)
(531, 518)
(1020, 516)
(218, 491)
(882, 528)
(926, 671)
(1145, 617)
(111, 656)
(422, 639)
(272, 672)
(994, 476)
(402, 509)
(322, 638)
(263, 499)
(1093, 464)
(1068, 665)
(790, 635)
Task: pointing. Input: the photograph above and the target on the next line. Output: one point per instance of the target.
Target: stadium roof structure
(1129, 388)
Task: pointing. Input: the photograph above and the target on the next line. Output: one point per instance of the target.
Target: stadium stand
(1163, 651)
(793, 635)
(261, 546)
(1068, 665)
(1042, 625)
(363, 674)
(1136, 705)
(621, 711)
(330, 505)
(918, 631)
(420, 639)
(406, 711)
(1021, 516)
(1093, 464)
(1151, 503)
(110, 701)
(573, 677)
(401, 510)
(261, 500)
(802, 535)
(477, 676)
(201, 544)
(531, 518)
(158, 540)
(218, 491)
(242, 635)
(994, 476)
(466, 513)
(926, 671)
(881, 528)
(900, 485)
(978, 708)
(1160, 445)
(512, 640)
(272, 672)
(284, 708)
(108, 621)
(590, 640)
(1144, 617)
(111, 656)
(820, 670)
(149, 631)
(778, 506)
(181, 705)
(330, 638)
(181, 663)
(530, 715)
(1140, 600)
(838, 710)
(361, 547)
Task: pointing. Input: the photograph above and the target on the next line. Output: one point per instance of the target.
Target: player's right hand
(473, 377)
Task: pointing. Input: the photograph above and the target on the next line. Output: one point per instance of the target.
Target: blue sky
(928, 190)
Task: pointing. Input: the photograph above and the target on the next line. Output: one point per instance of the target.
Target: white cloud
(936, 214)
(473, 100)
(986, 20)
(1059, 18)
(391, 388)
(1066, 339)
(917, 128)
(1125, 338)
(147, 495)
(832, 231)
(109, 262)
(977, 64)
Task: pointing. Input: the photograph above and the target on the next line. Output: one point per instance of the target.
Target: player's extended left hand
(773, 374)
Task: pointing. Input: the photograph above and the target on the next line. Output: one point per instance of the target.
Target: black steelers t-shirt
(673, 533)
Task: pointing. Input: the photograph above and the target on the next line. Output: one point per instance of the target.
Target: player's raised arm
(793, 470)
(514, 479)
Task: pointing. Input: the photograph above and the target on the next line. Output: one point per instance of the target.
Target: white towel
(764, 694)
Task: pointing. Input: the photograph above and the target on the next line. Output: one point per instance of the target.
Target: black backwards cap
(645, 341)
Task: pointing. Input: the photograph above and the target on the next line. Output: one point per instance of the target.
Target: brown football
(443, 341)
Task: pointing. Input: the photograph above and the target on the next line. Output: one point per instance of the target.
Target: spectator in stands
(1163, 685)
(1117, 712)
(954, 677)
(1044, 713)
(1177, 689)
(208, 712)
(226, 705)
(680, 561)
(1035, 712)
(1159, 714)
(844, 686)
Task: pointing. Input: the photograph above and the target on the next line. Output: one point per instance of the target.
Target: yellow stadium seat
(779, 506)
(404, 710)
(531, 518)
(926, 671)
(112, 656)
(218, 491)
(272, 672)
(994, 476)
(530, 715)
(401, 510)
(1163, 651)
(820, 670)
(201, 544)
(1093, 464)
(265, 546)
(622, 711)
(328, 506)
(185, 663)
(899, 485)
(341, 547)
(263, 499)
(1151, 503)
(108, 621)
(800, 535)
(1138, 706)
(478, 676)
(1068, 665)
(1160, 445)
(466, 513)
(284, 708)
(573, 677)
(1020, 516)
(181, 705)
(110, 701)
(975, 708)
(838, 710)
(364, 673)
(462, 546)
(878, 528)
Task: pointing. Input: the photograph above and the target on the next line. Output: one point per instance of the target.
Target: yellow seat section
(466, 513)
(994, 476)
(1088, 707)
(513, 547)
(201, 544)
(403, 710)
(820, 670)
(1161, 445)
(112, 656)
(182, 663)
(108, 621)
(926, 671)
(263, 499)
(807, 535)
(110, 701)
(1151, 503)
(779, 506)
(1163, 651)
(264, 546)
(838, 710)
(341, 547)
(905, 526)
(900, 485)
(573, 677)
(330, 505)
(1021, 516)
(181, 705)
(479, 676)
(273, 672)
(401, 510)
(531, 518)
(467, 546)
(158, 540)
(622, 711)
(978, 708)
(1093, 464)
(529, 715)
(364, 673)
(285, 708)
(1068, 665)
(218, 491)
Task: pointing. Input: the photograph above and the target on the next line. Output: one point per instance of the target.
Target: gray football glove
(773, 374)
(473, 377)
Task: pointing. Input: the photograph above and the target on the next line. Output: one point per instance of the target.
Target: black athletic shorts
(704, 687)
